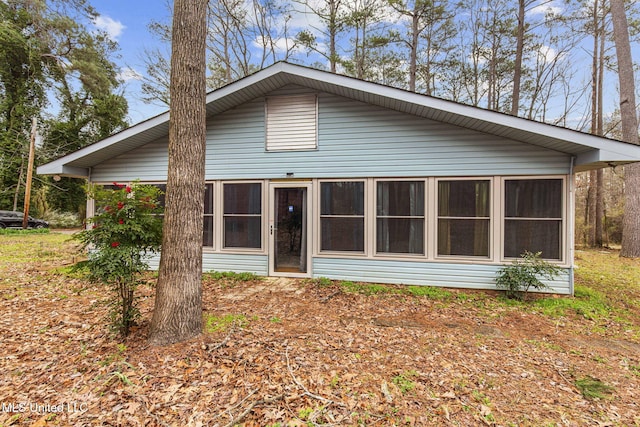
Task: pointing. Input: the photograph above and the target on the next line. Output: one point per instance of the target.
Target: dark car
(12, 219)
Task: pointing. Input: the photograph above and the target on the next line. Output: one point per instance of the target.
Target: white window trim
(425, 217)
(497, 219)
(317, 246)
(565, 230)
(219, 224)
(214, 195)
(490, 258)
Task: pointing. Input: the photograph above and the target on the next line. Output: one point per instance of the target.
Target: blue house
(312, 174)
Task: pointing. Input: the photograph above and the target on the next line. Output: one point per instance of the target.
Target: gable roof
(589, 151)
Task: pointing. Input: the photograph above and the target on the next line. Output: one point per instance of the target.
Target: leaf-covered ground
(291, 353)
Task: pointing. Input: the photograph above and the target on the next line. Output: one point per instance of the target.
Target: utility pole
(27, 191)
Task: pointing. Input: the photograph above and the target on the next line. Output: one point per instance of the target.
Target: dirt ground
(298, 353)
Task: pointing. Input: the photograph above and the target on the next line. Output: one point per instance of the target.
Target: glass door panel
(290, 230)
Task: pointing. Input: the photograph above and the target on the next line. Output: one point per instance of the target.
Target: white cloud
(127, 74)
(545, 9)
(547, 54)
(280, 45)
(111, 27)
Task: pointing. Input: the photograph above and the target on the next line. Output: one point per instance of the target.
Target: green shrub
(126, 229)
(525, 273)
(57, 219)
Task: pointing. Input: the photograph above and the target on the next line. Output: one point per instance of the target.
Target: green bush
(58, 219)
(525, 273)
(126, 229)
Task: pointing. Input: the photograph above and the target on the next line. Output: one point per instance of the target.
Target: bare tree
(369, 37)
(631, 222)
(517, 70)
(429, 30)
(177, 314)
(331, 14)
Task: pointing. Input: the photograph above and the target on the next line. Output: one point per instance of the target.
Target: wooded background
(551, 61)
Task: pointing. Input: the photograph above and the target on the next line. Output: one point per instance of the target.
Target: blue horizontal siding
(468, 276)
(354, 140)
(239, 263)
(148, 163)
(359, 140)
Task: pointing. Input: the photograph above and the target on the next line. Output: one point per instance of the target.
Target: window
(207, 229)
(161, 197)
(400, 217)
(342, 216)
(533, 217)
(464, 217)
(291, 122)
(243, 215)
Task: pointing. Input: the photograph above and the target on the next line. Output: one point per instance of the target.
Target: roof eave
(61, 169)
(590, 151)
(602, 158)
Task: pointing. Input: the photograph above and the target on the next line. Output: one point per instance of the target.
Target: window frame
(497, 218)
(489, 258)
(564, 219)
(365, 220)
(424, 217)
(213, 215)
(220, 224)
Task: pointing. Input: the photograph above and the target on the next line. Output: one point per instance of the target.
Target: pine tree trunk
(517, 72)
(631, 221)
(177, 314)
(591, 209)
(599, 212)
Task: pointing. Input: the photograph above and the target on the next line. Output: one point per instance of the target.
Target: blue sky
(127, 22)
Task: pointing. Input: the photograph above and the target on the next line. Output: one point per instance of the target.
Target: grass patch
(34, 246)
(587, 302)
(431, 292)
(617, 279)
(230, 276)
(368, 288)
(592, 388)
(79, 270)
(607, 292)
(323, 282)
(405, 381)
(19, 231)
(213, 323)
